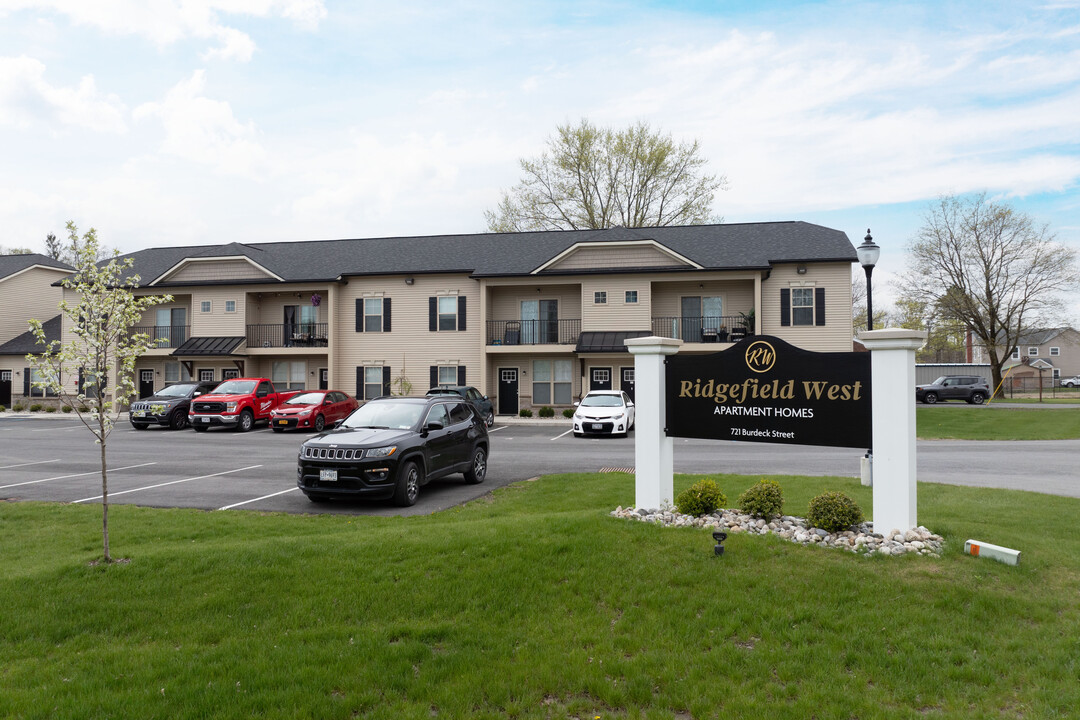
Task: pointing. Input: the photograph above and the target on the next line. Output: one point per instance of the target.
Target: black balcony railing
(720, 328)
(164, 336)
(533, 332)
(284, 335)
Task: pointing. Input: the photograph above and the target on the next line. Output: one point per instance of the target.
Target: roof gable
(616, 255)
(215, 269)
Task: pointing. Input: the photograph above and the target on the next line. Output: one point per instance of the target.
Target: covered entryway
(508, 391)
(600, 378)
(146, 383)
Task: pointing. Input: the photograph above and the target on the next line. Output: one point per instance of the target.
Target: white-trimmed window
(205, 306)
(1057, 373)
(230, 374)
(553, 382)
(176, 372)
(600, 297)
(1033, 352)
(448, 311)
(802, 306)
(1016, 353)
(373, 314)
(631, 297)
(1055, 351)
(448, 375)
(373, 382)
(206, 375)
(230, 306)
(36, 376)
(290, 375)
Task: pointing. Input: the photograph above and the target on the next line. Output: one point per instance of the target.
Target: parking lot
(55, 459)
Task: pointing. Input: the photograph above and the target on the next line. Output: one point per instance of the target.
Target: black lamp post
(868, 254)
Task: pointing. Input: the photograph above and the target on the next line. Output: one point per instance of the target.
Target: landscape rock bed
(861, 539)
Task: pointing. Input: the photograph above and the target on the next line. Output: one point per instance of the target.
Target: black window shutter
(461, 313)
(359, 315)
(432, 314)
(81, 380)
(434, 375)
(386, 315)
(360, 384)
(386, 380)
(819, 306)
(460, 374)
(26, 381)
(785, 307)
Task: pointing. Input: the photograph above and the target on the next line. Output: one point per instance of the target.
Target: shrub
(546, 412)
(36, 407)
(568, 413)
(51, 408)
(833, 512)
(764, 499)
(2, 408)
(701, 498)
(66, 408)
(524, 412)
(17, 407)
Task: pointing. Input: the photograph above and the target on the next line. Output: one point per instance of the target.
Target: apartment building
(1056, 351)
(27, 291)
(531, 319)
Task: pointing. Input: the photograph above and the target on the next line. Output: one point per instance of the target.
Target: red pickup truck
(238, 404)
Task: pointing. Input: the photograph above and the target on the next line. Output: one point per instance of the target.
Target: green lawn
(981, 423)
(534, 603)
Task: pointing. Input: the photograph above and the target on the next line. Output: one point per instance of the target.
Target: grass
(980, 423)
(535, 603)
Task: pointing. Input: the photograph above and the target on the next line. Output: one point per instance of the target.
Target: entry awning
(209, 346)
(593, 342)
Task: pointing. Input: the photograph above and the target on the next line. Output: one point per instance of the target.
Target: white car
(604, 412)
(1071, 381)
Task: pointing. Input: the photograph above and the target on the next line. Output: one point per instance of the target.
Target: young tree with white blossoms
(100, 325)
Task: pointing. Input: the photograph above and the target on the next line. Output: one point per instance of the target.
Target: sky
(168, 122)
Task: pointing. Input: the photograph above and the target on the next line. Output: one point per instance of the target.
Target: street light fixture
(868, 254)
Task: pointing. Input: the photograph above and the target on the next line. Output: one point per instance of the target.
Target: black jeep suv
(970, 389)
(169, 406)
(391, 446)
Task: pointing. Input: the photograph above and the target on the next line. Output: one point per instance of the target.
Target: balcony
(721, 328)
(533, 332)
(164, 336)
(280, 335)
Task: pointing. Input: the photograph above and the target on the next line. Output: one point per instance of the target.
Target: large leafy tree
(983, 266)
(591, 178)
(101, 344)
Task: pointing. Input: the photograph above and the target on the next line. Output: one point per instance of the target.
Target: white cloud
(168, 21)
(205, 131)
(28, 100)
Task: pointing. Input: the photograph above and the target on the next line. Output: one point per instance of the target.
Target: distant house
(1058, 349)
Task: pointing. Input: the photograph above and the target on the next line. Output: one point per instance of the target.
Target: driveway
(55, 459)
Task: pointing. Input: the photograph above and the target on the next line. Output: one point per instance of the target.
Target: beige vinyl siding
(524, 364)
(737, 294)
(409, 345)
(616, 256)
(616, 314)
(505, 302)
(217, 322)
(836, 334)
(149, 316)
(216, 271)
(28, 294)
(269, 309)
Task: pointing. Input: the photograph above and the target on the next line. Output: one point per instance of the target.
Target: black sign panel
(764, 389)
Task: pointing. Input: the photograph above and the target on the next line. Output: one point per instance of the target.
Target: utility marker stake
(978, 548)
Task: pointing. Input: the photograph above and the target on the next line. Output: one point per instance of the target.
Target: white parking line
(77, 427)
(563, 435)
(501, 427)
(61, 477)
(39, 462)
(173, 482)
(264, 497)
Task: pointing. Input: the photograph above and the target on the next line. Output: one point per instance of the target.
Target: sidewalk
(557, 421)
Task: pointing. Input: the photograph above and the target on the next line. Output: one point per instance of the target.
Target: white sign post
(892, 379)
(654, 455)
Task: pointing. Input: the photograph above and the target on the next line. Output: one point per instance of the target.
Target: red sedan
(312, 410)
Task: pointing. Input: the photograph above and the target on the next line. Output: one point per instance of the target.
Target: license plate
(140, 413)
(597, 426)
(328, 476)
(206, 420)
(282, 422)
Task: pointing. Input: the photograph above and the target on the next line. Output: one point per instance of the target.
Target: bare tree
(591, 178)
(979, 265)
(54, 248)
(100, 325)
(15, 251)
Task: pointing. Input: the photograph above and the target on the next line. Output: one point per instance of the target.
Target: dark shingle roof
(11, 264)
(27, 343)
(589, 342)
(209, 346)
(726, 246)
